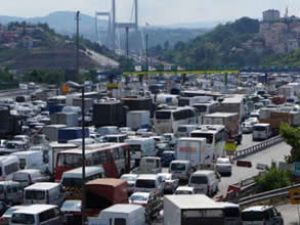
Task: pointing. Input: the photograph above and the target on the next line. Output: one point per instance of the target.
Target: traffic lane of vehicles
(275, 153)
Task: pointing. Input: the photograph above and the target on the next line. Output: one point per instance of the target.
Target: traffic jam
(153, 152)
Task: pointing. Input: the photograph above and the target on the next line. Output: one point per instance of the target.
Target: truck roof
(147, 177)
(192, 201)
(203, 172)
(192, 139)
(42, 186)
(107, 182)
(220, 114)
(122, 208)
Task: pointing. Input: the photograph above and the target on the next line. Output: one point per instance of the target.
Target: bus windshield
(73, 160)
(163, 115)
(209, 137)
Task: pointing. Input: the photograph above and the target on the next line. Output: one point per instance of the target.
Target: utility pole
(77, 43)
(127, 47)
(147, 53)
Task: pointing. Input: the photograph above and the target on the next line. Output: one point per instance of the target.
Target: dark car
(167, 157)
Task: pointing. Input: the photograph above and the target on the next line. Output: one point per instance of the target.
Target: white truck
(31, 160)
(191, 209)
(120, 214)
(140, 147)
(194, 150)
(148, 165)
(137, 119)
(231, 122)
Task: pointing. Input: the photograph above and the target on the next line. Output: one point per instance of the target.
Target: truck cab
(261, 131)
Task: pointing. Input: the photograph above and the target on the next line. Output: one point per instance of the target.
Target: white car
(224, 166)
(170, 184)
(261, 215)
(184, 190)
(130, 178)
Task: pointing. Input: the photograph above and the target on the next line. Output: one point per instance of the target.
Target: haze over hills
(63, 22)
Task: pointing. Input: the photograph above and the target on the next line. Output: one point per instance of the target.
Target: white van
(43, 193)
(37, 214)
(9, 164)
(29, 176)
(261, 131)
(181, 169)
(204, 182)
(31, 160)
(120, 214)
(11, 192)
(148, 183)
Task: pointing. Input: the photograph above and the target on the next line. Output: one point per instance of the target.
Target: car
(71, 210)
(184, 190)
(150, 200)
(4, 219)
(169, 183)
(131, 179)
(262, 215)
(223, 166)
(167, 157)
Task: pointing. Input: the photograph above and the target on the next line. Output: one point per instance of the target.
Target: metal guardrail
(258, 147)
(281, 192)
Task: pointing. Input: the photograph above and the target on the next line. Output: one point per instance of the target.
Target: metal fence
(258, 147)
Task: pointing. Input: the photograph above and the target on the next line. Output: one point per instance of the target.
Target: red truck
(103, 193)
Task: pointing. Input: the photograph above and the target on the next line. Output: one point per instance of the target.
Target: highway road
(289, 213)
(275, 153)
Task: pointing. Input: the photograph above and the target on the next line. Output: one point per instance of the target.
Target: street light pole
(77, 86)
(83, 201)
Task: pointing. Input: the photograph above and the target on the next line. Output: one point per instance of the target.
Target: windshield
(209, 137)
(20, 177)
(145, 183)
(178, 167)
(22, 218)
(128, 178)
(71, 206)
(259, 128)
(72, 182)
(199, 180)
(138, 198)
(34, 195)
(182, 129)
(232, 212)
(183, 192)
(73, 160)
(252, 216)
(163, 115)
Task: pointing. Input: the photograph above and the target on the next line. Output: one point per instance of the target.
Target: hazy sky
(155, 12)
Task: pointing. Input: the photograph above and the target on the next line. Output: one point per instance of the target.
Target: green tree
(274, 178)
(291, 136)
